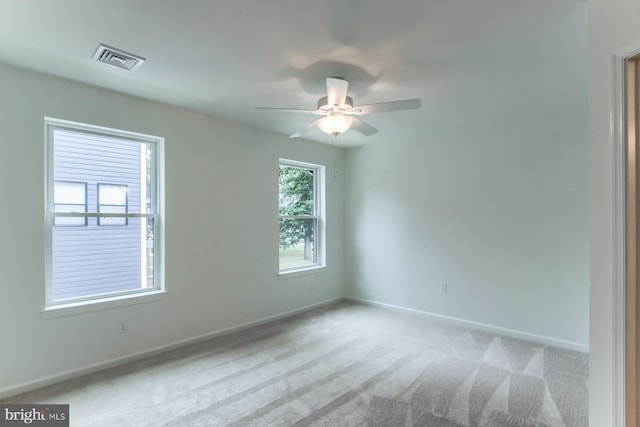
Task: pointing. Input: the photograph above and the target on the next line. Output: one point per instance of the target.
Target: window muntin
(300, 216)
(123, 180)
(113, 198)
(70, 196)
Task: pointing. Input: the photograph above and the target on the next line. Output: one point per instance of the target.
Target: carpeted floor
(341, 365)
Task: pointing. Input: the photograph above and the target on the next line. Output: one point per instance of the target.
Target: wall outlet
(444, 288)
(123, 328)
(312, 287)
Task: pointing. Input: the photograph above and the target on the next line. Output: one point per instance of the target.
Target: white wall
(221, 229)
(614, 25)
(493, 201)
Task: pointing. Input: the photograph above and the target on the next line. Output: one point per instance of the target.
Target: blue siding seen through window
(96, 259)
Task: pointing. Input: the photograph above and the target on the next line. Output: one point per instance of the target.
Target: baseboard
(100, 366)
(555, 342)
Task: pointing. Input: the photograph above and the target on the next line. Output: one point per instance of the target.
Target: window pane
(68, 220)
(70, 197)
(296, 191)
(70, 208)
(112, 220)
(113, 209)
(94, 261)
(70, 193)
(118, 171)
(297, 243)
(111, 254)
(110, 194)
(112, 199)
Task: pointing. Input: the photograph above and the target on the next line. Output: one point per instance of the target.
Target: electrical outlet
(312, 287)
(123, 328)
(444, 288)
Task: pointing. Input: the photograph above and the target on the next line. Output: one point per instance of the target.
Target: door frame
(626, 166)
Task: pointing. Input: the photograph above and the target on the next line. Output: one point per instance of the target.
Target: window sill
(301, 272)
(74, 308)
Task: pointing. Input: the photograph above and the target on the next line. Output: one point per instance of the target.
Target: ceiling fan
(339, 113)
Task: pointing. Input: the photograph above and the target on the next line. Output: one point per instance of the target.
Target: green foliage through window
(298, 218)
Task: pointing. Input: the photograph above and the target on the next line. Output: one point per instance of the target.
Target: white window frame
(54, 308)
(319, 184)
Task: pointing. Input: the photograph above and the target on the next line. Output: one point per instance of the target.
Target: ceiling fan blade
(336, 91)
(362, 127)
(294, 110)
(304, 130)
(383, 107)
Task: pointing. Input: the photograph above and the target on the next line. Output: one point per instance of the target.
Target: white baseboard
(555, 342)
(88, 369)
(100, 366)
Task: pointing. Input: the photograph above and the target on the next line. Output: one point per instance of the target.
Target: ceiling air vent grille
(117, 58)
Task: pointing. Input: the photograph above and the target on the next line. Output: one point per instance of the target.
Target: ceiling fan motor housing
(323, 103)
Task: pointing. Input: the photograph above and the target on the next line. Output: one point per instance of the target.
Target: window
(112, 198)
(301, 225)
(110, 182)
(70, 197)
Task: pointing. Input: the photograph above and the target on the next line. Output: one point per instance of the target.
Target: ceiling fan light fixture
(338, 111)
(335, 124)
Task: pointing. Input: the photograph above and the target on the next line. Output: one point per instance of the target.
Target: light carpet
(342, 365)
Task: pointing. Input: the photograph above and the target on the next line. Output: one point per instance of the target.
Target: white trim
(97, 304)
(102, 215)
(49, 185)
(95, 129)
(95, 367)
(619, 239)
(285, 274)
(618, 147)
(541, 339)
(320, 214)
(100, 302)
(142, 208)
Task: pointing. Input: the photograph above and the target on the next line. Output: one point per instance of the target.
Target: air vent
(117, 57)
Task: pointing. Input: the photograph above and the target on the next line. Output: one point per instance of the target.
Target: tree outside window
(298, 212)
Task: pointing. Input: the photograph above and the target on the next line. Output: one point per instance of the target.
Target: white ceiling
(466, 59)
